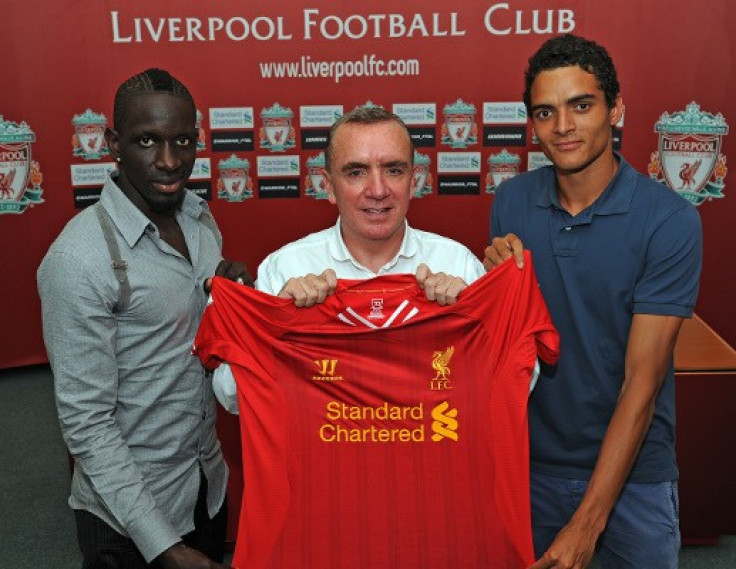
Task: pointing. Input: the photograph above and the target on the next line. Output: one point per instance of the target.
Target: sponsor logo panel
(501, 167)
(231, 118)
(88, 140)
(458, 173)
(234, 183)
(315, 183)
(537, 160)
(422, 176)
(277, 133)
(20, 175)
(504, 113)
(282, 188)
(414, 114)
(689, 158)
(459, 129)
(504, 135)
(232, 140)
(423, 137)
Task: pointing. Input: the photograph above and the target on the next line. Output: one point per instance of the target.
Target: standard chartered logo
(386, 423)
(445, 424)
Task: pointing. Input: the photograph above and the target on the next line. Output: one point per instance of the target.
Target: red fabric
(311, 502)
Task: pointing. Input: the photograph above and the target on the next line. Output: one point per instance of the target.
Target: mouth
(568, 145)
(376, 210)
(168, 188)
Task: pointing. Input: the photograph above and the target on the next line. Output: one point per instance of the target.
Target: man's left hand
(439, 287)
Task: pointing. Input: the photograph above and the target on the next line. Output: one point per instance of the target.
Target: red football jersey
(380, 429)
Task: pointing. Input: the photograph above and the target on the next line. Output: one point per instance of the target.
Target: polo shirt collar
(616, 198)
(130, 221)
(339, 251)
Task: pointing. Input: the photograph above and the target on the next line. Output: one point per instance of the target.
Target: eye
(184, 141)
(542, 114)
(396, 171)
(355, 173)
(582, 107)
(145, 141)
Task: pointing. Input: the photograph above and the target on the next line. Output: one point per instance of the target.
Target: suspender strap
(209, 222)
(119, 266)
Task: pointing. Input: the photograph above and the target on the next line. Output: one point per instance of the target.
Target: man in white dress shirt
(370, 177)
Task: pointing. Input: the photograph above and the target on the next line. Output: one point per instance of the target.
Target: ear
(330, 187)
(112, 139)
(414, 180)
(617, 111)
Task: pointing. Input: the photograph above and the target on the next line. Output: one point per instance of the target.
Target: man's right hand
(502, 249)
(311, 289)
(179, 556)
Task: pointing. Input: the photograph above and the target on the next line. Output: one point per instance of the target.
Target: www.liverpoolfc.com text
(367, 66)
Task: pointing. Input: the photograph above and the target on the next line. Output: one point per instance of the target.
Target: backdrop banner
(269, 78)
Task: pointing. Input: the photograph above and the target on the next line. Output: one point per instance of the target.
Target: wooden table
(705, 385)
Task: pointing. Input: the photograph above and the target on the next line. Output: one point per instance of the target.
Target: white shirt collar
(339, 251)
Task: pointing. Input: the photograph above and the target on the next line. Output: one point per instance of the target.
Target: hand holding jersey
(503, 248)
(313, 289)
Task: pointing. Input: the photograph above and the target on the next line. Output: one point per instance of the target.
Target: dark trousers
(104, 548)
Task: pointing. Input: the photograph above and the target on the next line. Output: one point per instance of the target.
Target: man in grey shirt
(135, 408)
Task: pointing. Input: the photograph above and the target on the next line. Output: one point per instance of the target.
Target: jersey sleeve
(238, 319)
(519, 309)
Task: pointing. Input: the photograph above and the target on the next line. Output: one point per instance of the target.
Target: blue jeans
(643, 530)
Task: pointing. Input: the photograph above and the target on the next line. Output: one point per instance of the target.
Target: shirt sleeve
(669, 283)
(473, 268)
(267, 280)
(223, 384)
(495, 218)
(79, 331)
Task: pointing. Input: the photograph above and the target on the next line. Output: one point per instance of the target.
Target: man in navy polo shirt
(618, 259)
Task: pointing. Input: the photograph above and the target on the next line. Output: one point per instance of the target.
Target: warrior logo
(315, 184)
(502, 166)
(441, 364)
(445, 422)
(326, 370)
(88, 139)
(689, 158)
(277, 134)
(459, 129)
(422, 177)
(20, 176)
(235, 183)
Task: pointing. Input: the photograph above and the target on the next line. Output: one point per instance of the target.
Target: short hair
(149, 81)
(569, 50)
(366, 114)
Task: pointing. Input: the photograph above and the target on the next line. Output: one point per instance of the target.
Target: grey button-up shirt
(135, 408)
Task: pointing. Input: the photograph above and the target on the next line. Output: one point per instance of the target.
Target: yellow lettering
(333, 410)
(324, 430)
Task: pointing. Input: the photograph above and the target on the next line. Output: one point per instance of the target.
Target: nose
(168, 158)
(564, 122)
(376, 185)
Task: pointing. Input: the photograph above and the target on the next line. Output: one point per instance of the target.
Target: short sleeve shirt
(636, 249)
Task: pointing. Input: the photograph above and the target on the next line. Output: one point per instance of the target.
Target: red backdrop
(62, 58)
